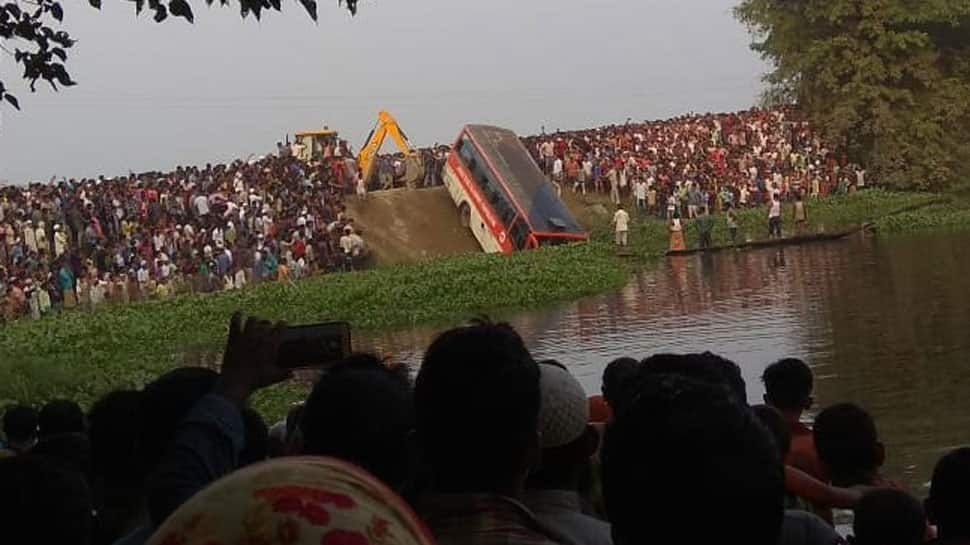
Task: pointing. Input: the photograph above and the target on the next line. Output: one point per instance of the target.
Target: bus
(502, 196)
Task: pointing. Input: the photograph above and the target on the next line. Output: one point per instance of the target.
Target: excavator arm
(386, 126)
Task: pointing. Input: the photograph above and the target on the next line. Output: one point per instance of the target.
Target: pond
(883, 322)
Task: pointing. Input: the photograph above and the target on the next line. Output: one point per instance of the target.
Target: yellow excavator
(387, 126)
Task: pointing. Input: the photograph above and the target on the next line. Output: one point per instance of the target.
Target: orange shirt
(802, 454)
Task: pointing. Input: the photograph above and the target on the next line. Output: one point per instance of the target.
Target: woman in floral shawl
(295, 501)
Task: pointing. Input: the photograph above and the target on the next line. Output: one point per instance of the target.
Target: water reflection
(883, 323)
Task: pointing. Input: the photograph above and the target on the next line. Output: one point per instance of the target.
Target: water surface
(883, 322)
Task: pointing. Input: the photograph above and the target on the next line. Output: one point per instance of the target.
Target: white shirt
(641, 190)
(97, 292)
(775, 211)
(346, 244)
(356, 244)
(562, 511)
(202, 205)
(557, 166)
(240, 279)
(622, 221)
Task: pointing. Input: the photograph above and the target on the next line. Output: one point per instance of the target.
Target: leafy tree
(30, 32)
(889, 79)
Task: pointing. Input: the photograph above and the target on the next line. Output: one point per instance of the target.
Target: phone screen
(314, 345)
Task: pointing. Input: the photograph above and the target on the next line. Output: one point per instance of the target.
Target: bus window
(465, 150)
(553, 241)
(493, 192)
(519, 234)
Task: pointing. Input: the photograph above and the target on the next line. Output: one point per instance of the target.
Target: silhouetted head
(619, 382)
(788, 385)
(847, 444)
(682, 440)
(20, 427)
(362, 412)
(889, 517)
(949, 503)
(477, 408)
(61, 416)
(706, 367)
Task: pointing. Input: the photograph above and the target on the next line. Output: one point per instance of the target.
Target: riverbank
(83, 355)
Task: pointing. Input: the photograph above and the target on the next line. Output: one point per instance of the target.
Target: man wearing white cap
(30, 236)
(60, 240)
(40, 235)
(568, 441)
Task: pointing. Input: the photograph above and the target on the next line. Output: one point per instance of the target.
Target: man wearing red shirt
(299, 248)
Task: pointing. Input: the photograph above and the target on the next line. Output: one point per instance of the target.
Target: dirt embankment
(408, 225)
(590, 210)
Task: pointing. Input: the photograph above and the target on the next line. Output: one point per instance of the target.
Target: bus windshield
(491, 189)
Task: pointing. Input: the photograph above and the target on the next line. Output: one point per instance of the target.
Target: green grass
(84, 355)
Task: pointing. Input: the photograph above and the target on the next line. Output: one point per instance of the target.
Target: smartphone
(316, 345)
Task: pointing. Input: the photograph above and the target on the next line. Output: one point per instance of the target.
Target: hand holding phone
(250, 359)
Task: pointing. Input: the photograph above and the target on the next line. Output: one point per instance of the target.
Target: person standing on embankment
(621, 222)
(774, 217)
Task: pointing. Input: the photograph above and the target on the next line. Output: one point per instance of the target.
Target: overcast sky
(154, 96)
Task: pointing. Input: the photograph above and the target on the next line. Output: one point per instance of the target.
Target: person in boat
(732, 223)
(774, 217)
(705, 228)
(676, 233)
(800, 215)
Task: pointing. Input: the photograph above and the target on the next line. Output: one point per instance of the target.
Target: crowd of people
(422, 169)
(686, 168)
(486, 445)
(89, 242)
(685, 164)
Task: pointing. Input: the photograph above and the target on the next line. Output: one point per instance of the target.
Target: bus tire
(465, 214)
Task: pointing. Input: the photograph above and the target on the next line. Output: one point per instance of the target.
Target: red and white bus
(503, 196)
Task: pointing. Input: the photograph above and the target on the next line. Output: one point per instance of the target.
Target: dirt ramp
(408, 225)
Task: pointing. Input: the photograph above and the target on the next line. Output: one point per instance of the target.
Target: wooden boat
(772, 242)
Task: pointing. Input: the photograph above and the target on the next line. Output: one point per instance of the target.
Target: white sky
(154, 96)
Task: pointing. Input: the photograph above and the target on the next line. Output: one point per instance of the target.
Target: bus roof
(507, 155)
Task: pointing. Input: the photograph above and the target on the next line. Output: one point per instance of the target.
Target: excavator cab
(309, 145)
(367, 160)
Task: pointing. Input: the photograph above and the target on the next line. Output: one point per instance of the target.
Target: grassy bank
(83, 355)
(649, 238)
